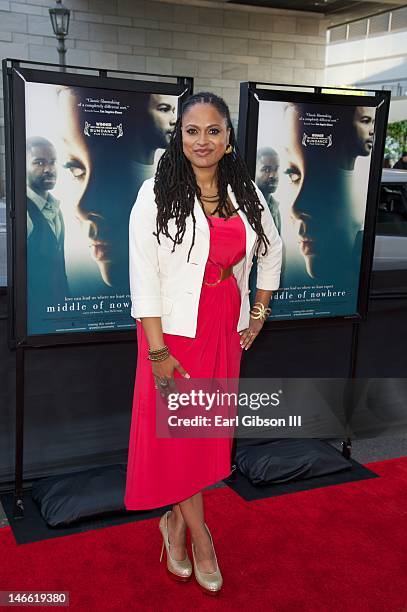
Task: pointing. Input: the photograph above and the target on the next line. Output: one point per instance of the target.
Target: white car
(391, 228)
(390, 254)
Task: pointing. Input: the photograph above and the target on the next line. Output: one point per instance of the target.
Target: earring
(229, 149)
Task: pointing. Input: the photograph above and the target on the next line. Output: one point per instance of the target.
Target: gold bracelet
(259, 311)
(158, 354)
(259, 306)
(160, 357)
(160, 350)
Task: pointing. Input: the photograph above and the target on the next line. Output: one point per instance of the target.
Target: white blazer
(166, 285)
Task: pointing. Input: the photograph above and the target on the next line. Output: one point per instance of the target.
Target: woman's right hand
(163, 371)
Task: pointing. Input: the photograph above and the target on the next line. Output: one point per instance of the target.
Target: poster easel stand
(16, 74)
(346, 445)
(252, 94)
(18, 506)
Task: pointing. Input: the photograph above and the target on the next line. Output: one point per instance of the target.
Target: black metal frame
(250, 94)
(14, 78)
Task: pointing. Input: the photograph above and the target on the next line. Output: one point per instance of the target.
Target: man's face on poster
(363, 129)
(100, 189)
(162, 111)
(267, 173)
(41, 168)
(319, 205)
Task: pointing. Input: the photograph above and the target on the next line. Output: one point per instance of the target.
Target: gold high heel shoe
(211, 582)
(178, 570)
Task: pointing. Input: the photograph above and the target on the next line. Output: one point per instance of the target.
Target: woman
(193, 233)
(104, 180)
(326, 201)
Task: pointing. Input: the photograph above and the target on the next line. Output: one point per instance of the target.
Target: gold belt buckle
(217, 282)
(219, 279)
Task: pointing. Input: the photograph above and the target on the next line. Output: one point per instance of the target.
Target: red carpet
(338, 549)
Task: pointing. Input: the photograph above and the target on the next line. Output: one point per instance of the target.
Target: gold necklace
(212, 198)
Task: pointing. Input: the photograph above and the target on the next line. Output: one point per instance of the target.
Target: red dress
(163, 471)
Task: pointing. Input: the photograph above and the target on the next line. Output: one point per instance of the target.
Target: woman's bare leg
(192, 510)
(190, 513)
(177, 533)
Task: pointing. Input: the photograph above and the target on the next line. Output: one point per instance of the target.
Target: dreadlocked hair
(175, 184)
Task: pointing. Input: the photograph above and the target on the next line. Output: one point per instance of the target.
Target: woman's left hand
(248, 335)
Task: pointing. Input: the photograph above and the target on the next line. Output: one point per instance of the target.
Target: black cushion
(282, 460)
(67, 498)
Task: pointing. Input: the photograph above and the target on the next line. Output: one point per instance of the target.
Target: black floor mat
(243, 487)
(33, 528)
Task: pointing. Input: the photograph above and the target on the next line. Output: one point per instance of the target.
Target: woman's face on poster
(319, 204)
(162, 112)
(97, 188)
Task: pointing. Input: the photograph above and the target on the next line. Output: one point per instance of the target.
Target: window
(358, 29)
(399, 19)
(337, 34)
(379, 23)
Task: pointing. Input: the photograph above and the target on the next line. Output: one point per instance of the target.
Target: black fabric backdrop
(78, 399)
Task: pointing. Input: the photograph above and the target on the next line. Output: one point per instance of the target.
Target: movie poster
(88, 150)
(312, 167)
